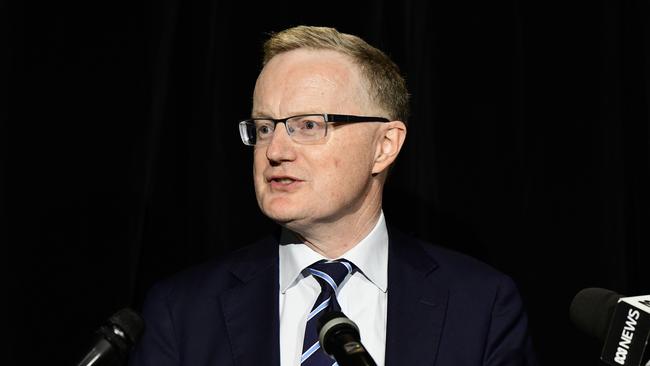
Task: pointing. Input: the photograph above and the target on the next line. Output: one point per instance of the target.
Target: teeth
(284, 180)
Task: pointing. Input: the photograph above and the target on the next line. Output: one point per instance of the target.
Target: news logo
(628, 333)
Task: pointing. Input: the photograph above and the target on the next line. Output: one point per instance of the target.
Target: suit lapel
(251, 309)
(416, 305)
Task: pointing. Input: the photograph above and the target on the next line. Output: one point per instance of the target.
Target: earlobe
(389, 145)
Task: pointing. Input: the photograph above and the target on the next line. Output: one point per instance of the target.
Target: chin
(280, 213)
(283, 219)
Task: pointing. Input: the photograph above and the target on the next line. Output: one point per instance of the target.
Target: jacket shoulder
(455, 268)
(209, 279)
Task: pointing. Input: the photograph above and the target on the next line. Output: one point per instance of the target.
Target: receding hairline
(346, 73)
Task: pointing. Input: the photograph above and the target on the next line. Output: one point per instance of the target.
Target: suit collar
(416, 304)
(250, 308)
(249, 262)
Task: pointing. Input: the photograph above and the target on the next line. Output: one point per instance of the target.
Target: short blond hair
(387, 87)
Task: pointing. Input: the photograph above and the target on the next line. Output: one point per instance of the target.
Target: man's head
(310, 70)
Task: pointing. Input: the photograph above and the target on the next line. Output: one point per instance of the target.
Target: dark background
(527, 148)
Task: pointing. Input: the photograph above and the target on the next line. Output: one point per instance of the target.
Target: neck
(335, 238)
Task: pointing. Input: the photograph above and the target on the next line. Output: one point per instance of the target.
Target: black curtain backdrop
(527, 148)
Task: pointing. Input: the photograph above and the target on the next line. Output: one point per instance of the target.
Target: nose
(281, 147)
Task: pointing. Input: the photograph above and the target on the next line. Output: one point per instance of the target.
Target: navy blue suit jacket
(444, 309)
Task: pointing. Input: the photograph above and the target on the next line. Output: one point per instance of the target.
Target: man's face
(302, 185)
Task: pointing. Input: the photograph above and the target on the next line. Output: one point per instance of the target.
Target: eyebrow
(258, 114)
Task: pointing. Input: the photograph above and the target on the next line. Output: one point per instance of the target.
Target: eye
(307, 125)
(264, 130)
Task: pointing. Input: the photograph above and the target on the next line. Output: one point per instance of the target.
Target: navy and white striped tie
(329, 274)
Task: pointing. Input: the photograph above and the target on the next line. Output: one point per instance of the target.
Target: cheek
(259, 160)
(340, 174)
(259, 164)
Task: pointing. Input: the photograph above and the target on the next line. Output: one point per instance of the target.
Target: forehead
(304, 80)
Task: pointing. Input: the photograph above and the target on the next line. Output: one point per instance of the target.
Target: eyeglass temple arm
(342, 118)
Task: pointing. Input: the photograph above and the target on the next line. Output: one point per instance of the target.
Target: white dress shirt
(363, 296)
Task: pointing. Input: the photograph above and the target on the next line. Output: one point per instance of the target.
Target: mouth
(283, 182)
(282, 179)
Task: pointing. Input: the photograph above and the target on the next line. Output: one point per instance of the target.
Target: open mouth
(283, 180)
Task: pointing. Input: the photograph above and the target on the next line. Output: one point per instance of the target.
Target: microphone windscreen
(129, 322)
(592, 310)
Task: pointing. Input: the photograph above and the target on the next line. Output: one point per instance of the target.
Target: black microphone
(339, 338)
(621, 323)
(115, 339)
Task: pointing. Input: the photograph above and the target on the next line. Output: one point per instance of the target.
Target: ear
(391, 138)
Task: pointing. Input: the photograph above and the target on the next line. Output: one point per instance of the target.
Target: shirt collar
(370, 255)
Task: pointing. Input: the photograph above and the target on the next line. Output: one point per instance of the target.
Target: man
(329, 116)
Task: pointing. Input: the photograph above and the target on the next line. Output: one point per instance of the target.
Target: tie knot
(331, 273)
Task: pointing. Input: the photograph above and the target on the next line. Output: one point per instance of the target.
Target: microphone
(621, 323)
(115, 339)
(339, 338)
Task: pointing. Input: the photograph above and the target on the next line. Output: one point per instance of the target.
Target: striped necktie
(329, 274)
